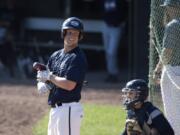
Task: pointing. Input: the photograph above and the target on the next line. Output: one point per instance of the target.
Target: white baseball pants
(171, 95)
(111, 37)
(65, 119)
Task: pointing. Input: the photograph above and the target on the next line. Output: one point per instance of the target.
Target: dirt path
(21, 106)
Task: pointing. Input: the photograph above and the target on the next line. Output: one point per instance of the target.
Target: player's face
(130, 95)
(71, 37)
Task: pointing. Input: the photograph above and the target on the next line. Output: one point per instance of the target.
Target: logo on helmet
(74, 23)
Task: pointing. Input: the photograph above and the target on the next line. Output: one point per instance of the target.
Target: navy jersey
(153, 117)
(72, 66)
(115, 12)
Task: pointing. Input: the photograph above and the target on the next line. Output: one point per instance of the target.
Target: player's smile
(71, 36)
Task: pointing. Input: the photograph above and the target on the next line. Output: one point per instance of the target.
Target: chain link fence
(156, 39)
(164, 58)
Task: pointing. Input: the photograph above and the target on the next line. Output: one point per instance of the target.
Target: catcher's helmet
(141, 90)
(72, 23)
(171, 3)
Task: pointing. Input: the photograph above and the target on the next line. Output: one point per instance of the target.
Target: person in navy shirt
(143, 118)
(64, 80)
(114, 18)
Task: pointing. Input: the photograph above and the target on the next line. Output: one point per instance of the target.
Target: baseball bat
(39, 66)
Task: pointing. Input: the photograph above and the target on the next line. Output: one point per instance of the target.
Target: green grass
(98, 120)
(41, 127)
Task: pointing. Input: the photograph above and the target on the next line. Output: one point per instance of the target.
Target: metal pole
(67, 10)
(135, 38)
(130, 37)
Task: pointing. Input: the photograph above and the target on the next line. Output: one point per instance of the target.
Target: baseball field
(22, 107)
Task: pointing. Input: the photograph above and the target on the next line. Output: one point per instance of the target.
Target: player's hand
(132, 127)
(42, 87)
(44, 75)
(156, 77)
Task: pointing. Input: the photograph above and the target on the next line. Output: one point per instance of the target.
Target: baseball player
(114, 16)
(65, 75)
(143, 118)
(169, 64)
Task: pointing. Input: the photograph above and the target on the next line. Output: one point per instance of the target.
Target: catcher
(143, 118)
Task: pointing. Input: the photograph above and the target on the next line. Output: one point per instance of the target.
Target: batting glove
(42, 87)
(44, 75)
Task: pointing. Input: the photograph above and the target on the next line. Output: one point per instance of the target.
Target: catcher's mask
(135, 91)
(72, 23)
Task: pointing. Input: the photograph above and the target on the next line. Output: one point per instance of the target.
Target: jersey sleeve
(162, 125)
(171, 35)
(76, 71)
(158, 121)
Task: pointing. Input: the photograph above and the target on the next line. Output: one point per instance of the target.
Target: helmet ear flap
(80, 35)
(63, 32)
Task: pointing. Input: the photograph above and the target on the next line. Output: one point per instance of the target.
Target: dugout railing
(54, 25)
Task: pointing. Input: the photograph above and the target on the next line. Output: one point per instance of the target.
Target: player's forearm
(62, 82)
(159, 66)
(166, 56)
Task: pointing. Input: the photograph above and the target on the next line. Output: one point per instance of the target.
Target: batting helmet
(171, 3)
(72, 23)
(139, 86)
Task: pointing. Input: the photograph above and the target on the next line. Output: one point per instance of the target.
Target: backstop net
(164, 33)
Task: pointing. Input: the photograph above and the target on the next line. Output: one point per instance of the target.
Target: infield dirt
(21, 106)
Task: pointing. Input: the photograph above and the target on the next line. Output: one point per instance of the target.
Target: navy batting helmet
(171, 3)
(141, 90)
(72, 23)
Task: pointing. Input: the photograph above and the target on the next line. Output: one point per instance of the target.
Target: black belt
(56, 105)
(60, 104)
